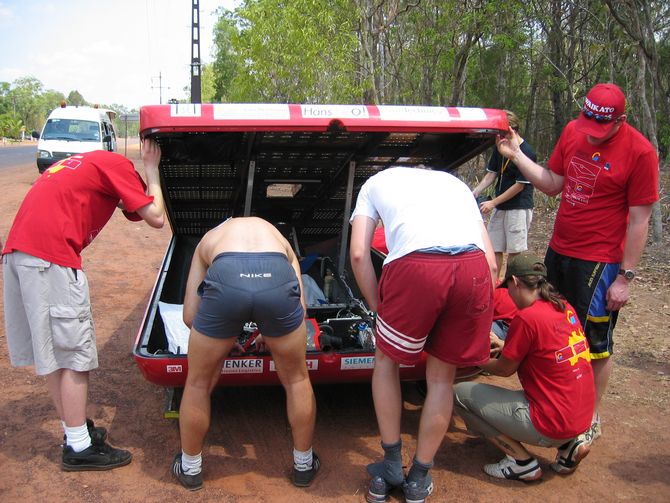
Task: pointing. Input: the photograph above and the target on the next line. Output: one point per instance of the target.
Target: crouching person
(546, 346)
(244, 270)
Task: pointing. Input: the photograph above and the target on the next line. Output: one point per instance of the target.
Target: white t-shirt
(420, 209)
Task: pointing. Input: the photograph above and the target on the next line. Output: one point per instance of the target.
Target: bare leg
(510, 446)
(387, 397)
(69, 393)
(437, 408)
(602, 369)
(205, 357)
(288, 352)
(499, 262)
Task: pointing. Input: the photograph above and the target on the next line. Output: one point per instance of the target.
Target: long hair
(546, 290)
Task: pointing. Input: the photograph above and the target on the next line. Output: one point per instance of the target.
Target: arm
(502, 366)
(636, 239)
(195, 277)
(544, 179)
(293, 259)
(488, 206)
(490, 254)
(154, 212)
(362, 230)
(486, 182)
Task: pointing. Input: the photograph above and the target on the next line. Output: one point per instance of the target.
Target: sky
(126, 52)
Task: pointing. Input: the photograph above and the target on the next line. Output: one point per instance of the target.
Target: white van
(72, 130)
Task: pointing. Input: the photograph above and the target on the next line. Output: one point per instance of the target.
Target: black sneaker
(95, 458)
(98, 434)
(304, 478)
(190, 482)
(378, 490)
(417, 493)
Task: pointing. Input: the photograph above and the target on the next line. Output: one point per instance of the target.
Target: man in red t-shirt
(46, 296)
(608, 175)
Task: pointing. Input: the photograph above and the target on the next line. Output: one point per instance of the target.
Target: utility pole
(160, 87)
(195, 52)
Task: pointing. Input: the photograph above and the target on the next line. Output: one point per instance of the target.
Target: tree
(76, 99)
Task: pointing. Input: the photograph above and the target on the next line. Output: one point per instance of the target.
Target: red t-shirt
(379, 241)
(554, 368)
(504, 307)
(71, 202)
(600, 183)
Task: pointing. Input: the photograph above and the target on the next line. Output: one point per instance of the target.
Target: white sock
(77, 437)
(302, 460)
(191, 465)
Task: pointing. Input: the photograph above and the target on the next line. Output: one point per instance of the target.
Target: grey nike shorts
(259, 287)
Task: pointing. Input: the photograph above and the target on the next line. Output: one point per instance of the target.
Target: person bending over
(244, 270)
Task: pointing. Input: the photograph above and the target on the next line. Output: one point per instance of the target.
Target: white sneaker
(568, 457)
(507, 468)
(594, 432)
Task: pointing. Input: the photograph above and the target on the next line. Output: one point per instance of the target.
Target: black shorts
(243, 287)
(584, 284)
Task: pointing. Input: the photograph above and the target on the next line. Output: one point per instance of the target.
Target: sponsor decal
(357, 362)
(311, 365)
(185, 110)
(242, 366)
(174, 369)
(413, 113)
(334, 112)
(251, 111)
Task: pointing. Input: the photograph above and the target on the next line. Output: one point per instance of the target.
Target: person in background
(244, 270)
(46, 296)
(547, 348)
(512, 207)
(435, 292)
(608, 175)
(504, 311)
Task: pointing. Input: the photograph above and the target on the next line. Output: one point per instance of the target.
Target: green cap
(524, 264)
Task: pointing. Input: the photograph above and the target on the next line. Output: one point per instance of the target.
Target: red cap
(602, 106)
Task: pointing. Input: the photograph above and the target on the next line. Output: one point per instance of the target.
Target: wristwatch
(629, 274)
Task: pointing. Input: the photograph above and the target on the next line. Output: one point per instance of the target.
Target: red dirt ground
(247, 456)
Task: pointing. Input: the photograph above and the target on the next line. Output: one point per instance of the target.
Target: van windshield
(71, 130)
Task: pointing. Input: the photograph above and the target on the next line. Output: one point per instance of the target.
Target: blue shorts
(584, 284)
(244, 287)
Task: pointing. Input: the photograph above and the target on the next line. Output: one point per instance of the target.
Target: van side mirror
(107, 139)
(35, 135)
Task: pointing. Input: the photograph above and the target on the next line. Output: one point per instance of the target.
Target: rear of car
(300, 167)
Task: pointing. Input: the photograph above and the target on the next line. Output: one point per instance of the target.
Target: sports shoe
(378, 490)
(190, 482)
(304, 478)
(508, 468)
(594, 432)
(415, 493)
(569, 455)
(95, 458)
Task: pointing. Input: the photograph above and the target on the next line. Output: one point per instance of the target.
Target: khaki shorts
(47, 315)
(508, 230)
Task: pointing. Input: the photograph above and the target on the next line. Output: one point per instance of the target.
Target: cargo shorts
(47, 315)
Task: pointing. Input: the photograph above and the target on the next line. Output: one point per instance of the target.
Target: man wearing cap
(608, 173)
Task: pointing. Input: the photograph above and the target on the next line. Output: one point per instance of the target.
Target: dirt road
(247, 456)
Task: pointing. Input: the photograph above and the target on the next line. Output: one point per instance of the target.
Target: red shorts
(438, 302)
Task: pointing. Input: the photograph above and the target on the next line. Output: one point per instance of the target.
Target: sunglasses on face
(596, 117)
